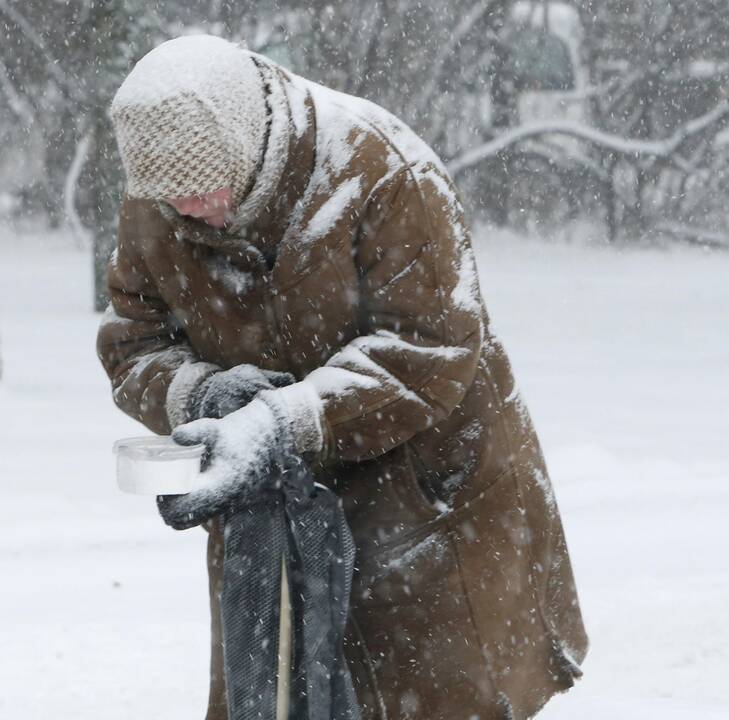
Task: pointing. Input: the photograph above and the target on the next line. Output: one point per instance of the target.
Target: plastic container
(157, 465)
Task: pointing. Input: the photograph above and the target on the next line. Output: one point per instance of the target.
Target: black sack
(304, 523)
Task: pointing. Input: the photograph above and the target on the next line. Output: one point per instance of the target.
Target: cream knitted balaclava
(190, 119)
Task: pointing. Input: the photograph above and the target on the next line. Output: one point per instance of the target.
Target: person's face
(212, 208)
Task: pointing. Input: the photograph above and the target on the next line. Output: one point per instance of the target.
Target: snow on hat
(190, 118)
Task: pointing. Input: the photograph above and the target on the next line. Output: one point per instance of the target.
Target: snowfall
(623, 357)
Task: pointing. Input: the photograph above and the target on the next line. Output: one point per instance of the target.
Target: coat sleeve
(421, 319)
(145, 353)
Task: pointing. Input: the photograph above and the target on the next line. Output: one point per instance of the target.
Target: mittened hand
(239, 463)
(227, 391)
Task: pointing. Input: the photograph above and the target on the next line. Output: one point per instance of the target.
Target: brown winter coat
(464, 603)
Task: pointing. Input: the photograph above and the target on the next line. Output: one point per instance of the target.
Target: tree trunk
(104, 183)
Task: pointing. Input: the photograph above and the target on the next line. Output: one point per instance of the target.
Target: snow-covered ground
(624, 361)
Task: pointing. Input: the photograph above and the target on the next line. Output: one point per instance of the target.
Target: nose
(187, 205)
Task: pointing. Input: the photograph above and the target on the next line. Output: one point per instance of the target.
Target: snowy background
(609, 117)
(624, 362)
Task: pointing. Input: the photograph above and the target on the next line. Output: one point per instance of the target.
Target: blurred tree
(653, 149)
(656, 66)
(64, 61)
(113, 35)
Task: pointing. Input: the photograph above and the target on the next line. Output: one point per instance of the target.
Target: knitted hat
(190, 119)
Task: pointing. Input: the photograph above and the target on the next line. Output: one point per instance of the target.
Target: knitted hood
(193, 117)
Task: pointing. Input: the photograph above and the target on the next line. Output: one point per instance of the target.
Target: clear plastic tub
(157, 465)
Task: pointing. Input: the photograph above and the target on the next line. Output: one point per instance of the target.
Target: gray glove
(240, 464)
(244, 451)
(229, 390)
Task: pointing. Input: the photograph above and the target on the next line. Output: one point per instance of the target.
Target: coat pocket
(423, 648)
(414, 490)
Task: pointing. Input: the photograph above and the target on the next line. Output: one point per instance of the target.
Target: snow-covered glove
(229, 390)
(243, 450)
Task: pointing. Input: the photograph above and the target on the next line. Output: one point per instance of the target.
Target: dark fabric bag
(304, 523)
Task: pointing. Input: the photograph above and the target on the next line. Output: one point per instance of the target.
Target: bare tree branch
(66, 86)
(18, 104)
(81, 234)
(695, 235)
(461, 30)
(620, 145)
